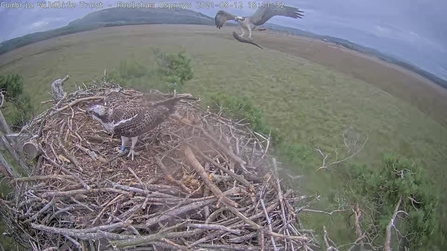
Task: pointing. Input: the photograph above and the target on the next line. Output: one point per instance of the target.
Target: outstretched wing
(262, 15)
(222, 17)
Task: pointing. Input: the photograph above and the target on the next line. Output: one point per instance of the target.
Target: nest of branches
(199, 182)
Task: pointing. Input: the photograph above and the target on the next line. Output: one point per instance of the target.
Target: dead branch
(230, 173)
(65, 178)
(170, 178)
(202, 173)
(74, 103)
(358, 230)
(57, 91)
(387, 245)
(325, 166)
(269, 222)
(31, 149)
(327, 241)
(82, 193)
(215, 227)
(14, 154)
(7, 169)
(4, 127)
(321, 211)
(2, 96)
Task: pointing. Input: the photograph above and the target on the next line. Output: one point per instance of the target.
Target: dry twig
(82, 194)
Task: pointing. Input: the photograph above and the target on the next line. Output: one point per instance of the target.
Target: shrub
(376, 190)
(21, 110)
(11, 85)
(242, 108)
(380, 189)
(175, 68)
(173, 72)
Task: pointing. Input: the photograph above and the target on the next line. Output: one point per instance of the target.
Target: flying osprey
(130, 122)
(262, 15)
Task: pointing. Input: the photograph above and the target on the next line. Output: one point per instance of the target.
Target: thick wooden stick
(215, 141)
(387, 245)
(4, 125)
(43, 177)
(140, 240)
(14, 154)
(233, 175)
(7, 168)
(74, 103)
(202, 173)
(89, 233)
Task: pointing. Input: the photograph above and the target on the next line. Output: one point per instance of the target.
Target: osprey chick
(129, 122)
(260, 17)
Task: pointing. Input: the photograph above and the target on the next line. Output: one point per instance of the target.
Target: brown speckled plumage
(142, 119)
(130, 120)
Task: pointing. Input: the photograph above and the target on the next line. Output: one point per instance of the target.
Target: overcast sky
(413, 30)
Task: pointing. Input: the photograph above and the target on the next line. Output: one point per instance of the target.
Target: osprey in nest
(260, 17)
(131, 121)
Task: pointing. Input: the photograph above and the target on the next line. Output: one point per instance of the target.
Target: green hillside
(112, 17)
(127, 16)
(311, 105)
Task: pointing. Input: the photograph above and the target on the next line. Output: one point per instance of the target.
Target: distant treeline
(109, 18)
(365, 50)
(39, 36)
(137, 16)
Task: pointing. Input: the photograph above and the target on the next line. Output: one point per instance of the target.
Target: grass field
(310, 90)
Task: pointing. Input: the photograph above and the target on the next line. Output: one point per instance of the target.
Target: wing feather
(222, 17)
(131, 120)
(120, 114)
(138, 120)
(262, 15)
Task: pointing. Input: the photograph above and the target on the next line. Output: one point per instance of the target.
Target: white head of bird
(238, 18)
(97, 111)
(100, 113)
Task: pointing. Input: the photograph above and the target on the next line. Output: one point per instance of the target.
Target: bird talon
(260, 17)
(121, 153)
(131, 154)
(121, 149)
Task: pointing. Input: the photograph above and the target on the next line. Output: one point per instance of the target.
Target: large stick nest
(199, 182)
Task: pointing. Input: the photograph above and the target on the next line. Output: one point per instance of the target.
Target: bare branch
(57, 92)
(324, 166)
(387, 245)
(321, 211)
(327, 241)
(84, 194)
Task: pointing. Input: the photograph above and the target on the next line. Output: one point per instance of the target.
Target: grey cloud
(412, 30)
